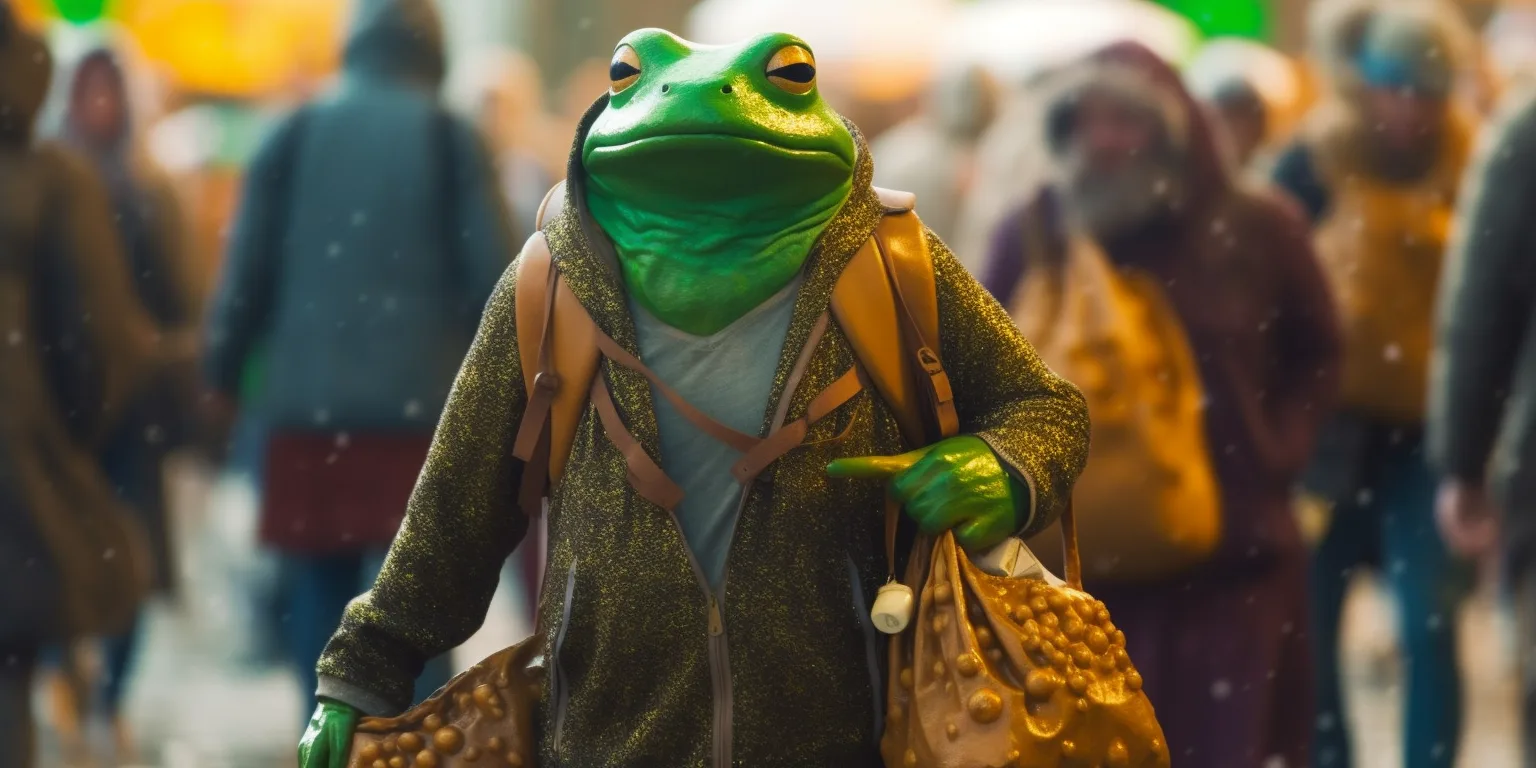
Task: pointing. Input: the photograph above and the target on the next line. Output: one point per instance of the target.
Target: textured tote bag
(997, 671)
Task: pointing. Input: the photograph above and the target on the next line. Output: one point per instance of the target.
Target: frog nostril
(666, 88)
(725, 89)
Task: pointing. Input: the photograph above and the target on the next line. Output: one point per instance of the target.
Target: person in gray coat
(368, 239)
(1482, 428)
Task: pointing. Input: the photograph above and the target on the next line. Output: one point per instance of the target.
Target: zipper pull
(716, 623)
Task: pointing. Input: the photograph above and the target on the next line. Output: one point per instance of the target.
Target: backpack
(1148, 503)
(886, 302)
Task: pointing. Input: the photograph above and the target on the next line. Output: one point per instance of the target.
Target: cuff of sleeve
(365, 701)
(1027, 507)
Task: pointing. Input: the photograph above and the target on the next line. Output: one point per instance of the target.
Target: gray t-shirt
(728, 375)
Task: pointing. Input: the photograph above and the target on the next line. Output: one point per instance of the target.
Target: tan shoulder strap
(557, 346)
(886, 302)
(550, 206)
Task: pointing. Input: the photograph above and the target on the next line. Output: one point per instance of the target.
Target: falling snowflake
(1392, 353)
(1221, 690)
(412, 408)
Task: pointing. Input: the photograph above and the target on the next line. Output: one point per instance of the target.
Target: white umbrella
(880, 49)
(1017, 38)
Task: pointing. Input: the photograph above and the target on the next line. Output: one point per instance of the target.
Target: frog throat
(708, 227)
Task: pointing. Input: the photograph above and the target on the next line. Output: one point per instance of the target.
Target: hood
(25, 69)
(1132, 71)
(1427, 40)
(93, 61)
(397, 40)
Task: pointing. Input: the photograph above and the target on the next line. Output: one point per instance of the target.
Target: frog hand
(327, 742)
(955, 484)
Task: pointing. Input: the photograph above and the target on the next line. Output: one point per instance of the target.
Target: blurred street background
(948, 92)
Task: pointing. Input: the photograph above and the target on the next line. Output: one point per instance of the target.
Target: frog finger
(875, 467)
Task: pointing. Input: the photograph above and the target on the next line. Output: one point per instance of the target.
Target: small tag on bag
(1012, 559)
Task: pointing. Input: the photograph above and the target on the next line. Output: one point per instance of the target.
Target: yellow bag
(1381, 246)
(1148, 501)
(998, 671)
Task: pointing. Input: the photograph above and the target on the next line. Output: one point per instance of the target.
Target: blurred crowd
(1311, 278)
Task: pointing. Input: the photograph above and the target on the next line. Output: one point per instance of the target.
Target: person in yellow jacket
(1377, 165)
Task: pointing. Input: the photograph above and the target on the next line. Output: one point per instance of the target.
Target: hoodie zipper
(558, 687)
(871, 649)
(721, 695)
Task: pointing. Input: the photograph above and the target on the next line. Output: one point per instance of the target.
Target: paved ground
(201, 699)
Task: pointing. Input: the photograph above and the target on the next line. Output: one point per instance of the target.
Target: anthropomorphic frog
(712, 202)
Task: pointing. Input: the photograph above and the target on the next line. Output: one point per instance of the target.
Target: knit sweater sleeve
(1035, 421)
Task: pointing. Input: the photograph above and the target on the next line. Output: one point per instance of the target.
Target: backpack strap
(551, 206)
(557, 347)
(888, 285)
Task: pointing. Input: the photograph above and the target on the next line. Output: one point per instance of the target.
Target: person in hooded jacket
(1222, 647)
(368, 240)
(97, 124)
(1377, 166)
(76, 347)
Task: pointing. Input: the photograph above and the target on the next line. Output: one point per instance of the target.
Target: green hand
(956, 484)
(327, 743)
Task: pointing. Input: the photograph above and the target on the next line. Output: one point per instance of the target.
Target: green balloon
(80, 11)
(1226, 18)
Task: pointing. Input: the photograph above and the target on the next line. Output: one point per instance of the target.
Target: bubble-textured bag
(998, 671)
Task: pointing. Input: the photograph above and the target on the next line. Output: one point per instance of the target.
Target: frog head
(713, 169)
(704, 121)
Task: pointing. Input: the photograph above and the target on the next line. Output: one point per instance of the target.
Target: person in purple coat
(1222, 646)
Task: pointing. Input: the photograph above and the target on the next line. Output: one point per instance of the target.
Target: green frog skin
(713, 171)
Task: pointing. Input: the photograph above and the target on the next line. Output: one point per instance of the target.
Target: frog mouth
(680, 145)
(707, 166)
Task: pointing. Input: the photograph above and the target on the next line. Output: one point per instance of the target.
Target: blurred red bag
(333, 492)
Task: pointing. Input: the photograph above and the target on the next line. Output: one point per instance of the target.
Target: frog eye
(793, 69)
(624, 70)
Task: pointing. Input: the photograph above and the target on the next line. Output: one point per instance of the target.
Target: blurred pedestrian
(368, 239)
(933, 154)
(1253, 92)
(98, 125)
(503, 91)
(1377, 166)
(77, 348)
(1482, 438)
(1012, 164)
(1222, 644)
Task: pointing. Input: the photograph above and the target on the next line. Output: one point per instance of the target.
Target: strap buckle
(548, 381)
